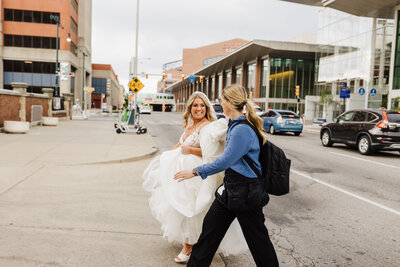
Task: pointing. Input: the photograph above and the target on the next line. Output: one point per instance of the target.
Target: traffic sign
(344, 93)
(361, 91)
(135, 85)
(372, 92)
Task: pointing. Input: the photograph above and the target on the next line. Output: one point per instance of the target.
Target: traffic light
(147, 75)
(251, 94)
(297, 90)
(163, 75)
(201, 79)
(183, 77)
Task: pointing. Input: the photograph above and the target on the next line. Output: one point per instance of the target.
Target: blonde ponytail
(255, 120)
(236, 97)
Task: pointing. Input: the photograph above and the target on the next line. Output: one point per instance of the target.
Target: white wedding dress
(180, 207)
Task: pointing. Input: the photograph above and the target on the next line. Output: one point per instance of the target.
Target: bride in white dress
(181, 207)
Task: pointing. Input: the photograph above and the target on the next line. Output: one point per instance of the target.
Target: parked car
(319, 121)
(282, 121)
(218, 110)
(369, 130)
(145, 110)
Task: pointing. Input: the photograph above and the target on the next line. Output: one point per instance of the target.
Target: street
(343, 208)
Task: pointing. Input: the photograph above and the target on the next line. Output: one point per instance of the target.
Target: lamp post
(83, 85)
(57, 20)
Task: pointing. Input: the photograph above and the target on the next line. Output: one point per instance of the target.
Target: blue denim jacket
(240, 141)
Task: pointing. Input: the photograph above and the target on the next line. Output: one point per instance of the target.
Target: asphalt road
(343, 208)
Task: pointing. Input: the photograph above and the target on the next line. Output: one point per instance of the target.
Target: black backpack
(275, 166)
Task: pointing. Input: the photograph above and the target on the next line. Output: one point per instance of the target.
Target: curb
(146, 155)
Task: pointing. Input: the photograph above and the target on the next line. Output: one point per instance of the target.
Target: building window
(74, 26)
(238, 78)
(251, 78)
(29, 67)
(73, 48)
(29, 16)
(100, 85)
(228, 79)
(29, 41)
(74, 4)
(264, 78)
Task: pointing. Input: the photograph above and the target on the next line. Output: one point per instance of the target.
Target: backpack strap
(249, 161)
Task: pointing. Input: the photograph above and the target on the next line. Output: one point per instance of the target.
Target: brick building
(196, 58)
(106, 87)
(29, 37)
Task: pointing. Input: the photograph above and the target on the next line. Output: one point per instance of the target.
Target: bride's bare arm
(191, 150)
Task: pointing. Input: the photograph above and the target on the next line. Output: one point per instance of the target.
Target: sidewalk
(71, 195)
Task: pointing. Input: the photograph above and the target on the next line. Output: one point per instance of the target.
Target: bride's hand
(183, 175)
(186, 150)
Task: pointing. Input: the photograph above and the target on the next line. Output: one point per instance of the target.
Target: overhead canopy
(251, 51)
(364, 8)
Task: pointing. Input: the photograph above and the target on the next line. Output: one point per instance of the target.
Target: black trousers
(215, 225)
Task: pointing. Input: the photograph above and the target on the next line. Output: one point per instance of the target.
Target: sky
(168, 26)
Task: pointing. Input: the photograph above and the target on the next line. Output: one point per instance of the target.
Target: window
(45, 42)
(74, 26)
(8, 14)
(8, 40)
(371, 117)
(360, 116)
(35, 67)
(74, 4)
(17, 15)
(27, 16)
(37, 17)
(17, 40)
(27, 41)
(271, 114)
(37, 42)
(346, 117)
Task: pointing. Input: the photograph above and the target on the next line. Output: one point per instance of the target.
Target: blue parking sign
(372, 92)
(344, 93)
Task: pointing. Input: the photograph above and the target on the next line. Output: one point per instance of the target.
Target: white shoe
(182, 258)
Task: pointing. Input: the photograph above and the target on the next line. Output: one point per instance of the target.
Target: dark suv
(218, 110)
(369, 130)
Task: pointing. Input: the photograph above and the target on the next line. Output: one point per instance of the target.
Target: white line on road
(370, 161)
(348, 193)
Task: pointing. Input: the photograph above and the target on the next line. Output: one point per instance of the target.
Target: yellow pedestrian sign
(135, 85)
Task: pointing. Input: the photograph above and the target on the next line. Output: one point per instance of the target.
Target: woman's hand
(186, 150)
(183, 175)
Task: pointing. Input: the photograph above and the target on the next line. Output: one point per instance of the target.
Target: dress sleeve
(212, 140)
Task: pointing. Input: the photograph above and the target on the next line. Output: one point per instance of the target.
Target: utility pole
(136, 56)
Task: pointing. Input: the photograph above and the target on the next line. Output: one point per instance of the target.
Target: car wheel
(297, 133)
(364, 145)
(272, 129)
(326, 139)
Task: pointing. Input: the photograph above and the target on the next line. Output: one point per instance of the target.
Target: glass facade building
(354, 51)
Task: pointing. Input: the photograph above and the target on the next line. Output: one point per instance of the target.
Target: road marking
(370, 161)
(348, 193)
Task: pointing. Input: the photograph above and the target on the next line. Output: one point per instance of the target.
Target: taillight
(301, 120)
(383, 123)
(279, 120)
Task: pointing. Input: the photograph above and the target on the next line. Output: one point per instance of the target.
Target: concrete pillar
(49, 93)
(258, 78)
(21, 88)
(68, 100)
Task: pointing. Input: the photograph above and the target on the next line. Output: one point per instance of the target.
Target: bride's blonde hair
(235, 97)
(187, 116)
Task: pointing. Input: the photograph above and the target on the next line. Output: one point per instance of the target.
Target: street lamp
(57, 20)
